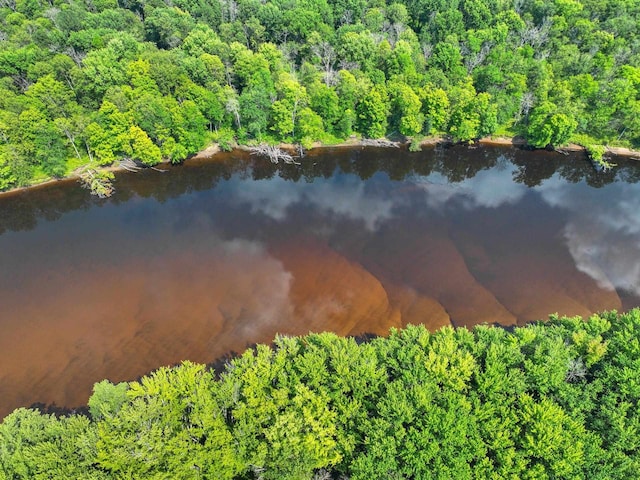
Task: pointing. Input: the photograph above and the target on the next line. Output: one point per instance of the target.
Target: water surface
(210, 257)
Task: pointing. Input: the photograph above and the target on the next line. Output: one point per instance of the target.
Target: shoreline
(214, 149)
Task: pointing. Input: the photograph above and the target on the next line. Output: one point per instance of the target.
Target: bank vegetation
(85, 84)
(555, 400)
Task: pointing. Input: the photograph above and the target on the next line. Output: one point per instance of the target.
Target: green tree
(7, 175)
(435, 107)
(447, 58)
(139, 146)
(406, 114)
(167, 27)
(310, 127)
(108, 136)
(488, 113)
(371, 112)
(292, 97)
(464, 119)
(170, 425)
(52, 97)
(102, 69)
(41, 143)
(284, 429)
(36, 446)
(208, 101)
(107, 399)
(189, 127)
(547, 127)
(325, 102)
(357, 50)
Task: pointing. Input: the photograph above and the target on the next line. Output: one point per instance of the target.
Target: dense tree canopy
(556, 400)
(94, 82)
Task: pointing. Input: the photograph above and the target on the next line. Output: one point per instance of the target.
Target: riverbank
(434, 141)
(428, 142)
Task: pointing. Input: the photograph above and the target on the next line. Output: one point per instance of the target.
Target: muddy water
(210, 257)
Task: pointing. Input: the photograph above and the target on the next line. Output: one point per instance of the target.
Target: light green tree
(170, 426)
(406, 114)
(371, 112)
(549, 127)
(435, 107)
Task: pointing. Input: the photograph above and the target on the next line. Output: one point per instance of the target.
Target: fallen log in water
(99, 182)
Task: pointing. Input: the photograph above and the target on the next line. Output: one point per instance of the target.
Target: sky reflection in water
(601, 231)
(209, 258)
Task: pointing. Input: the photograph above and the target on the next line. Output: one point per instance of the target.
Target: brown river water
(213, 256)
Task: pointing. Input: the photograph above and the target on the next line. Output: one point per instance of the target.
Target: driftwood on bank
(129, 165)
(133, 166)
(275, 154)
(380, 142)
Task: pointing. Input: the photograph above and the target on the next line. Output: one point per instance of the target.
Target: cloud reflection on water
(349, 198)
(602, 229)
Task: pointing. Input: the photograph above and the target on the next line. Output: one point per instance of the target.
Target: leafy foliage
(82, 82)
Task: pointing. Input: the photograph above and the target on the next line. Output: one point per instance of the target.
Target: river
(210, 257)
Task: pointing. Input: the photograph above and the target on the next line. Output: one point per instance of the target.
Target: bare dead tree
(132, 166)
(622, 55)
(301, 151)
(326, 54)
(275, 154)
(233, 107)
(229, 10)
(427, 50)
(347, 17)
(52, 14)
(576, 370)
(526, 104)
(471, 60)
(10, 4)
(536, 35)
(380, 142)
(378, 37)
(75, 55)
(348, 65)
(322, 474)
(393, 31)
(65, 126)
(289, 53)
(21, 81)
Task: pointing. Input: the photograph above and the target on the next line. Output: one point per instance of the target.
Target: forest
(554, 400)
(88, 83)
